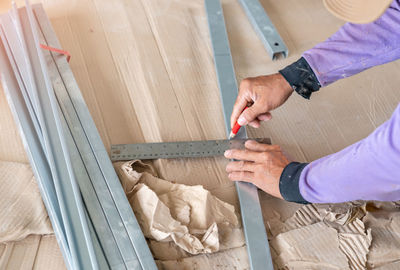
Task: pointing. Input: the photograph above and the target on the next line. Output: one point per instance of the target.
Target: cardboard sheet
(146, 71)
(384, 221)
(335, 231)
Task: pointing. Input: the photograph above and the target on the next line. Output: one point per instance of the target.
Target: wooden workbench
(144, 64)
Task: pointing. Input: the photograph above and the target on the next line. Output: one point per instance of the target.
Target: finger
(242, 155)
(261, 147)
(255, 123)
(264, 117)
(250, 114)
(235, 166)
(240, 104)
(241, 176)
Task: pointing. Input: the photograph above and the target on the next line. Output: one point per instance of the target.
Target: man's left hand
(260, 164)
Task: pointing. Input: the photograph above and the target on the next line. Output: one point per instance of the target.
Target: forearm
(356, 47)
(366, 170)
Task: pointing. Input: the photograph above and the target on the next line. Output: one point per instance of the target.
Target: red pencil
(235, 129)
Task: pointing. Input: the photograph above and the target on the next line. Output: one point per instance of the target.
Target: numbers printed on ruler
(176, 149)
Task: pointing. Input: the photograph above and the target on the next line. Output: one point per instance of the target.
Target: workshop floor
(145, 69)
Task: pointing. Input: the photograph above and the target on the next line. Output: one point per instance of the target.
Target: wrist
(289, 182)
(284, 84)
(301, 78)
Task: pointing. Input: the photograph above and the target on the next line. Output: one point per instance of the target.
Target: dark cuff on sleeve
(301, 78)
(289, 182)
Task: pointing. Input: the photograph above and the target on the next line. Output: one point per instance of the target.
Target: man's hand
(260, 164)
(265, 93)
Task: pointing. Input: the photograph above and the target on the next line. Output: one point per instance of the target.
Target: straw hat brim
(357, 11)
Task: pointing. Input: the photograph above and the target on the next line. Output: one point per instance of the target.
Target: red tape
(67, 54)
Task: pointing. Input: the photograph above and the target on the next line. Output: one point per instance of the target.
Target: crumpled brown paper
(190, 216)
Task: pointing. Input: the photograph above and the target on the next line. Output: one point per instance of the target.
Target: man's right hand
(265, 93)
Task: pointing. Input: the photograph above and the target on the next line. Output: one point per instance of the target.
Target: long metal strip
(95, 216)
(129, 222)
(253, 225)
(265, 29)
(71, 205)
(85, 180)
(14, 56)
(113, 237)
(191, 149)
(6, 25)
(34, 150)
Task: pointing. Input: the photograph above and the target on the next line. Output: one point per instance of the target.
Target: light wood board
(145, 69)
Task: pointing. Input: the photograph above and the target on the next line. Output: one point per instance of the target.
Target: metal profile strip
(113, 237)
(265, 29)
(14, 44)
(88, 175)
(72, 210)
(7, 21)
(34, 150)
(253, 225)
(94, 213)
(29, 78)
(94, 141)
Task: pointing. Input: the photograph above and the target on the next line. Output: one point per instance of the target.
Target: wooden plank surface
(146, 72)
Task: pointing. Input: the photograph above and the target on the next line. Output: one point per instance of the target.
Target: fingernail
(241, 121)
(227, 153)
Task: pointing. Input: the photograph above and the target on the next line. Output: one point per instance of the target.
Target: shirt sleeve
(366, 170)
(356, 47)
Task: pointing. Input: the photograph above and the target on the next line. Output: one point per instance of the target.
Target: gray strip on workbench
(265, 29)
(254, 228)
(7, 22)
(71, 205)
(135, 235)
(102, 210)
(34, 150)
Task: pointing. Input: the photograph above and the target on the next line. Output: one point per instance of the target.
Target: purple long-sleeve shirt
(370, 168)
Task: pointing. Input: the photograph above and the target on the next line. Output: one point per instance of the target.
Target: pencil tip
(231, 135)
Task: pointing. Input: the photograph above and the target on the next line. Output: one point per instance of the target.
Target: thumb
(249, 115)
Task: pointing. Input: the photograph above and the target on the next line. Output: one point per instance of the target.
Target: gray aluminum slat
(89, 195)
(265, 29)
(125, 211)
(103, 232)
(25, 69)
(94, 189)
(34, 151)
(71, 205)
(253, 225)
(101, 257)
(14, 54)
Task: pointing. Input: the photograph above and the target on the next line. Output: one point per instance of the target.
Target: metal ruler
(252, 219)
(190, 149)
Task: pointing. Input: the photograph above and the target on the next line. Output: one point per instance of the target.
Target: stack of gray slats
(91, 216)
